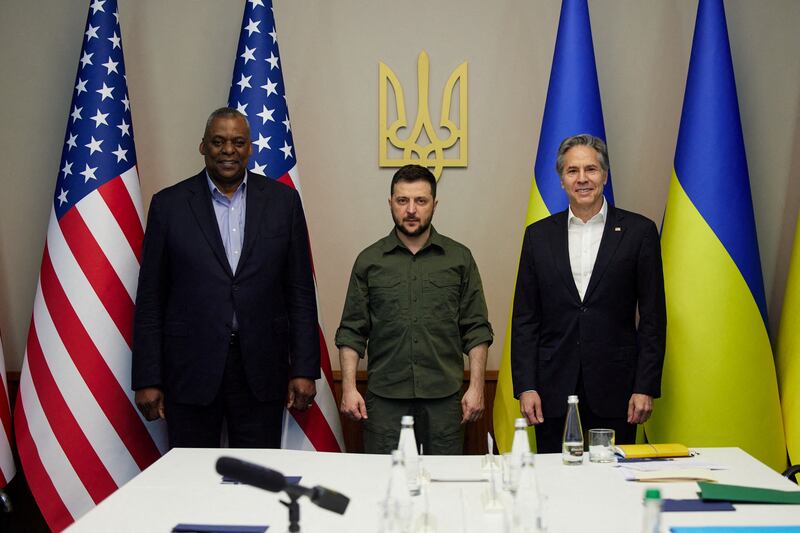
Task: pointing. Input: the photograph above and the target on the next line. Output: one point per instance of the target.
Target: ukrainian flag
(789, 354)
(719, 386)
(572, 107)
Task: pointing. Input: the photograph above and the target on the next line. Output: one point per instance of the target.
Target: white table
(183, 487)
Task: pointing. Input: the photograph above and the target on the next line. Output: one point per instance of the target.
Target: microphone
(328, 499)
(251, 474)
(273, 481)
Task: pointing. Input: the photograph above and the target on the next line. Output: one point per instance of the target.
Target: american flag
(79, 434)
(257, 91)
(7, 468)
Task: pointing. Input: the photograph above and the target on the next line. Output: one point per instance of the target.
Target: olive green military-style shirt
(415, 315)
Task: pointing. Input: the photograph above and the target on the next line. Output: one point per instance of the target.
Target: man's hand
(640, 407)
(150, 402)
(530, 405)
(301, 393)
(353, 406)
(472, 405)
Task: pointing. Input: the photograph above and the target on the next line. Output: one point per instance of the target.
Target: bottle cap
(520, 423)
(572, 398)
(652, 494)
(407, 420)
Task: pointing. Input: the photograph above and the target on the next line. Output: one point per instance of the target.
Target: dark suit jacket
(555, 336)
(187, 294)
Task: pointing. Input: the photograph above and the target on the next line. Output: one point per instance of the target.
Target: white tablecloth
(183, 487)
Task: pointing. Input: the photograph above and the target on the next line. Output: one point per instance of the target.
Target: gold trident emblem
(432, 154)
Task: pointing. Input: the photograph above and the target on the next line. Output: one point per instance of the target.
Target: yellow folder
(640, 451)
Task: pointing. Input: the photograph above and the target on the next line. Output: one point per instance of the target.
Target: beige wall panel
(179, 56)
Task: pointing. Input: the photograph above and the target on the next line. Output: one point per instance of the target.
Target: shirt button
(414, 319)
(413, 298)
(416, 340)
(414, 277)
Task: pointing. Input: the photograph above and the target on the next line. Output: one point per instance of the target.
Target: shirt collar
(600, 216)
(213, 187)
(392, 241)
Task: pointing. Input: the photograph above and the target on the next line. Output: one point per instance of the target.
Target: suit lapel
(200, 204)
(613, 232)
(559, 246)
(255, 202)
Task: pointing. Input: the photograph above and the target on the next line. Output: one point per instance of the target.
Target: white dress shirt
(584, 242)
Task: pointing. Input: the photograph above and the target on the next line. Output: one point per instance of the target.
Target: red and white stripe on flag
(7, 468)
(78, 432)
(258, 92)
(319, 428)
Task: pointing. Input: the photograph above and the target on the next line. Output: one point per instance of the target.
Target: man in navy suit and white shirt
(226, 319)
(584, 274)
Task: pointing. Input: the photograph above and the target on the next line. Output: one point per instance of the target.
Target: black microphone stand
(294, 512)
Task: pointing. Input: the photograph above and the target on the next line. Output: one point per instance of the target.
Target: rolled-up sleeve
(355, 324)
(473, 319)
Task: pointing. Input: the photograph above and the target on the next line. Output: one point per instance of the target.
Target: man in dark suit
(226, 320)
(583, 275)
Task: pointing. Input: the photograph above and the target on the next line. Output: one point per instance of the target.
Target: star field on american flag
(258, 92)
(98, 145)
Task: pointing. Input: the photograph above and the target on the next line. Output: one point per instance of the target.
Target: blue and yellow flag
(572, 107)
(719, 386)
(789, 354)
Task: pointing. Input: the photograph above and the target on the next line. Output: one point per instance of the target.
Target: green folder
(742, 494)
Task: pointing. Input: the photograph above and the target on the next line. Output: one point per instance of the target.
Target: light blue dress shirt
(230, 220)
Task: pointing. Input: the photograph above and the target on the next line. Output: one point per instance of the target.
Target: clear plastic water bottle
(527, 515)
(520, 445)
(651, 515)
(408, 445)
(572, 447)
(397, 507)
(512, 461)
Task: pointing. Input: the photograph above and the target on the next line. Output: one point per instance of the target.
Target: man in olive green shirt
(415, 304)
